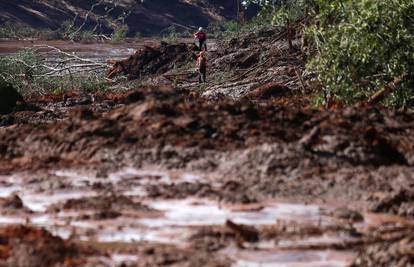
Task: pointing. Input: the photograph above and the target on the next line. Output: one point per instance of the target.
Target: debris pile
(152, 60)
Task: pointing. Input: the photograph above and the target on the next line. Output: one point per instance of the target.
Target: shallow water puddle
(276, 258)
(172, 221)
(124, 258)
(195, 212)
(127, 181)
(41, 202)
(170, 235)
(315, 240)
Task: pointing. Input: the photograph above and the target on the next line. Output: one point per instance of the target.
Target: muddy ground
(241, 171)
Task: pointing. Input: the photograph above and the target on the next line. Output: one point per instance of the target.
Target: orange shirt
(201, 61)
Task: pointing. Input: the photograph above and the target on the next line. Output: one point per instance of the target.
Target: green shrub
(363, 45)
(231, 29)
(171, 34)
(12, 31)
(119, 34)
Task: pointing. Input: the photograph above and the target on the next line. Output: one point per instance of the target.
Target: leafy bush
(363, 45)
(20, 32)
(281, 12)
(231, 29)
(120, 34)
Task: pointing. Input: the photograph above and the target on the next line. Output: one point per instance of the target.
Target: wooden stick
(299, 75)
(388, 89)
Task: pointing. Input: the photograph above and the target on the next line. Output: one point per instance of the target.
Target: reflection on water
(172, 221)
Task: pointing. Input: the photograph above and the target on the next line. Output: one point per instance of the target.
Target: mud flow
(119, 211)
(240, 171)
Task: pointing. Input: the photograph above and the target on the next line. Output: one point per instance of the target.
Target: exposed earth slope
(144, 17)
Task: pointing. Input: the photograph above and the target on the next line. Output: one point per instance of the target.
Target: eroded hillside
(144, 17)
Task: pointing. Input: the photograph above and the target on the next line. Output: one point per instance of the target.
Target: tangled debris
(152, 60)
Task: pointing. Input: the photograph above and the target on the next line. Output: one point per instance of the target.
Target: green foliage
(86, 37)
(362, 46)
(170, 34)
(220, 30)
(120, 34)
(231, 29)
(20, 69)
(282, 12)
(93, 83)
(12, 31)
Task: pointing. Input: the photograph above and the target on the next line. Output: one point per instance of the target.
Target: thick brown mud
(244, 175)
(118, 209)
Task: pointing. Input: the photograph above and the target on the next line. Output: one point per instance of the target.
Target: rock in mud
(12, 202)
(102, 204)
(8, 97)
(400, 202)
(269, 90)
(244, 233)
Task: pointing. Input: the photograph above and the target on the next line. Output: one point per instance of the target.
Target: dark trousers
(202, 43)
(202, 74)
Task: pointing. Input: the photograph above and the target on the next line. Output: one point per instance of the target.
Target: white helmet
(200, 29)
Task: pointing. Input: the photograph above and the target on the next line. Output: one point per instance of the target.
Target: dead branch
(250, 70)
(387, 90)
(300, 78)
(87, 16)
(61, 52)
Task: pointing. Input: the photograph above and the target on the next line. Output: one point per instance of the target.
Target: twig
(302, 83)
(388, 89)
(250, 70)
(87, 16)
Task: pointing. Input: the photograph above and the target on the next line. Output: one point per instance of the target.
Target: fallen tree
(43, 68)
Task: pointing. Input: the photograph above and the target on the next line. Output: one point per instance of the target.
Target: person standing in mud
(202, 67)
(201, 36)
